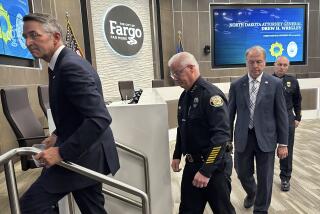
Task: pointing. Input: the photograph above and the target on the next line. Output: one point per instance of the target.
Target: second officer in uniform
(293, 101)
(202, 134)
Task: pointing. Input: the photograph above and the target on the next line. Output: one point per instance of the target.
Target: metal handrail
(145, 164)
(6, 160)
(122, 198)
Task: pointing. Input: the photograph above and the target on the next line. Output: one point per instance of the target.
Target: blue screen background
(231, 38)
(11, 28)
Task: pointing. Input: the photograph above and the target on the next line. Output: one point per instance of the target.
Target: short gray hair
(184, 59)
(257, 48)
(49, 23)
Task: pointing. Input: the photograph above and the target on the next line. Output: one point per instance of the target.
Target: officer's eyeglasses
(176, 74)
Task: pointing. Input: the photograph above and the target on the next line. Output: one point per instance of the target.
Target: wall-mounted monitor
(12, 43)
(281, 29)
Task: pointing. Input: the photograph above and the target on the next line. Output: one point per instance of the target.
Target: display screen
(11, 28)
(281, 29)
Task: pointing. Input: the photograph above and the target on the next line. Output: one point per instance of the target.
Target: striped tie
(253, 97)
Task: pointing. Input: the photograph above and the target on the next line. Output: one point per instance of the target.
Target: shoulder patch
(216, 101)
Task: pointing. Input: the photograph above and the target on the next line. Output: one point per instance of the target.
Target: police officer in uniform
(293, 101)
(202, 134)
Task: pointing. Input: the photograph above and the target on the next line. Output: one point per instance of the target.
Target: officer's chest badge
(288, 84)
(195, 102)
(216, 101)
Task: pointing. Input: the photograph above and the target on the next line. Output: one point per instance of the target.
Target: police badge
(195, 102)
(288, 84)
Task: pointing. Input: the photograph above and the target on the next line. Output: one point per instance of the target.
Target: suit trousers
(286, 163)
(37, 200)
(244, 165)
(217, 192)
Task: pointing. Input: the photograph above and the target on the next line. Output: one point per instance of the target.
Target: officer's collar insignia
(216, 101)
(194, 88)
(289, 84)
(195, 102)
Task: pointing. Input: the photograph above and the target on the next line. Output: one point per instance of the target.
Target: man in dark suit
(82, 134)
(293, 100)
(262, 122)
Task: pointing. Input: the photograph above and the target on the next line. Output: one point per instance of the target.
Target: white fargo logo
(124, 31)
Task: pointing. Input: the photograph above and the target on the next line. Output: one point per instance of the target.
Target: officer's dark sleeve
(177, 151)
(297, 102)
(81, 91)
(232, 109)
(219, 128)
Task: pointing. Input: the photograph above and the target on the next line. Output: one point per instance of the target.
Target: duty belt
(194, 158)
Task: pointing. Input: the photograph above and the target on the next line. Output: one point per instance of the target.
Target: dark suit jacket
(270, 117)
(82, 123)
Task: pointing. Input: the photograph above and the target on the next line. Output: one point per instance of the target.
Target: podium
(143, 127)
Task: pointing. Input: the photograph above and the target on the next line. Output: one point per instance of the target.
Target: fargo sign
(123, 30)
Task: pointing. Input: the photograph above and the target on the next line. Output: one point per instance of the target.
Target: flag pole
(179, 47)
(179, 35)
(67, 16)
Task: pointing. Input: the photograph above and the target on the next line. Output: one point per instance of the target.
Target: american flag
(71, 41)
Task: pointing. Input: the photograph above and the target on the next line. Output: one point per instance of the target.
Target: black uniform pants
(37, 200)
(217, 193)
(286, 163)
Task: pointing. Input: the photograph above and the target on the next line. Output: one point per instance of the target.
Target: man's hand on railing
(50, 141)
(49, 157)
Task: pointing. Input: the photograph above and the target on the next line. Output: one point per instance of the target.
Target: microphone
(136, 96)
